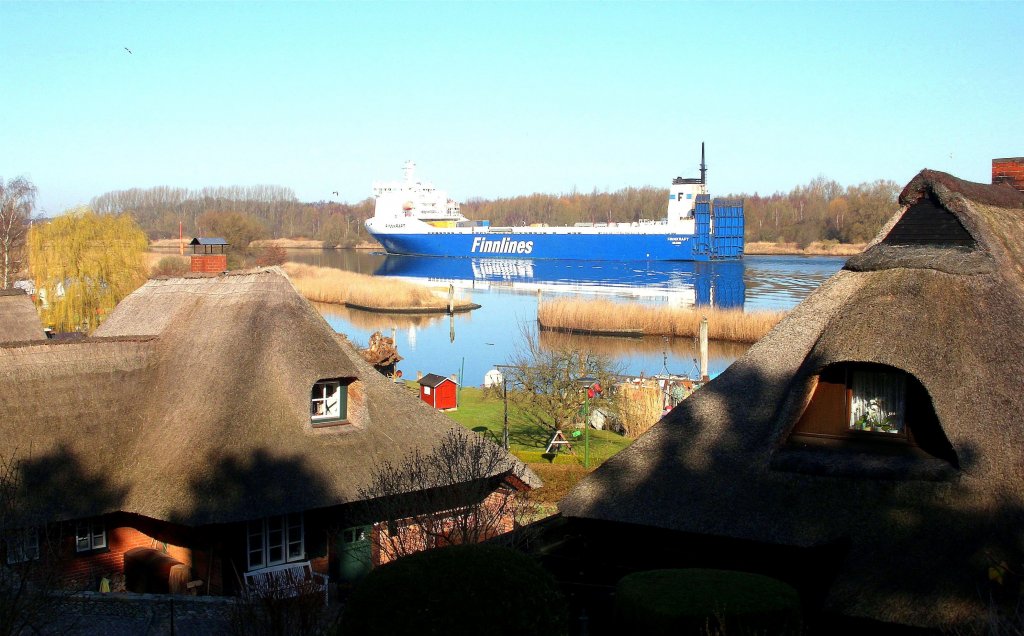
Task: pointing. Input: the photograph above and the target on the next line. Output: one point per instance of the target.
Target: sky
(497, 99)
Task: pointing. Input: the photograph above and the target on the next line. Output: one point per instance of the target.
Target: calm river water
(507, 290)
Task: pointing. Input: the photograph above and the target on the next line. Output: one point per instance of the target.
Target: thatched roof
(18, 317)
(432, 380)
(191, 403)
(921, 530)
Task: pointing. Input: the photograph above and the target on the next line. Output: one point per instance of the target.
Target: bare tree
(29, 570)
(467, 490)
(17, 199)
(547, 381)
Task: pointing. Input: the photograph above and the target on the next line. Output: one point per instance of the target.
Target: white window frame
(426, 390)
(90, 535)
(325, 406)
(22, 545)
(275, 540)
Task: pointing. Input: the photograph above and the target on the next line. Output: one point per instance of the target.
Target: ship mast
(703, 166)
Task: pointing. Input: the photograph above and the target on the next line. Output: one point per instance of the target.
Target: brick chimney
(1009, 170)
(208, 255)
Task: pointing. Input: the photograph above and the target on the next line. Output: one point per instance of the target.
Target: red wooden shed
(439, 392)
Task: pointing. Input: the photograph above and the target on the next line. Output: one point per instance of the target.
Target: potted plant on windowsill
(875, 419)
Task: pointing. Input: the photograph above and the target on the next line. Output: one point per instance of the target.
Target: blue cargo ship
(412, 217)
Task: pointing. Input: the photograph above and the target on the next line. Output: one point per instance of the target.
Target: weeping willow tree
(83, 264)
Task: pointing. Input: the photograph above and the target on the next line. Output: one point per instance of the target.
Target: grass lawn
(528, 440)
(527, 437)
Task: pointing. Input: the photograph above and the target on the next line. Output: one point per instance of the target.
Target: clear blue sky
(503, 98)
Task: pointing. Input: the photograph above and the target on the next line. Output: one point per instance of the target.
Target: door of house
(355, 554)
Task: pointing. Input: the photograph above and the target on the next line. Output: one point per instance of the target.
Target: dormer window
(877, 401)
(328, 403)
(874, 408)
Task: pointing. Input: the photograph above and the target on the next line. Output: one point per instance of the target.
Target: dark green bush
(456, 590)
(697, 601)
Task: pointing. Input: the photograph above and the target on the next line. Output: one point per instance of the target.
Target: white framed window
(426, 390)
(90, 535)
(275, 540)
(22, 545)
(328, 401)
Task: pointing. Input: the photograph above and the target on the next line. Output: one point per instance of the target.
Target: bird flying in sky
(128, 49)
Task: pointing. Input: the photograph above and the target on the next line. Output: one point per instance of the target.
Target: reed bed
(815, 248)
(733, 325)
(639, 406)
(330, 285)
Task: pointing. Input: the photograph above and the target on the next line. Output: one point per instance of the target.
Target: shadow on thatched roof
(918, 532)
(18, 318)
(192, 403)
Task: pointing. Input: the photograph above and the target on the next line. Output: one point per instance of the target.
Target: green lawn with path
(528, 438)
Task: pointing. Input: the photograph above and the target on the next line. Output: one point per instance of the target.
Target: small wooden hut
(440, 392)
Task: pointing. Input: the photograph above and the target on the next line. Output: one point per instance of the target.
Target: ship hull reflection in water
(682, 283)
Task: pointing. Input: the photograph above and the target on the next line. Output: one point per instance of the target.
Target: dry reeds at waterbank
(607, 316)
(639, 406)
(330, 285)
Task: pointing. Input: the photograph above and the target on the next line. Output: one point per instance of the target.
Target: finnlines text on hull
(505, 246)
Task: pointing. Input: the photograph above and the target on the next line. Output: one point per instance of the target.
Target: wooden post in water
(704, 349)
(451, 299)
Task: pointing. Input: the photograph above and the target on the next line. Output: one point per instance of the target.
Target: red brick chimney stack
(208, 255)
(1009, 170)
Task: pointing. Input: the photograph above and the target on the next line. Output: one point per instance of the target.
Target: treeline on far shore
(239, 214)
(822, 210)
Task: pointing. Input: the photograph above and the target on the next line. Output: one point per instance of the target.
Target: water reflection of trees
(376, 321)
(718, 351)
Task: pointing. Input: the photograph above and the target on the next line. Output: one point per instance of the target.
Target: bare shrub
(462, 492)
(269, 610)
(30, 572)
(271, 255)
(171, 266)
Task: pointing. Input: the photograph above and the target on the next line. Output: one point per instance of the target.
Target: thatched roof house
(18, 317)
(883, 417)
(192, 404)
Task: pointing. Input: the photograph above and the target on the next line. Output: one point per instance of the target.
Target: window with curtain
(877, 401)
